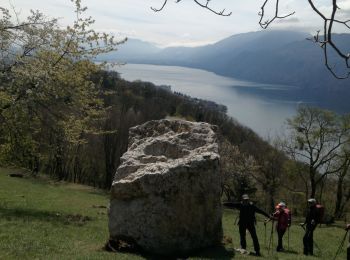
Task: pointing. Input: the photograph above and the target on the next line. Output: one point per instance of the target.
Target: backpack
(319, 213)
(287, 210)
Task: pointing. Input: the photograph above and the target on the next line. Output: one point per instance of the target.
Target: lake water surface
(265, 115)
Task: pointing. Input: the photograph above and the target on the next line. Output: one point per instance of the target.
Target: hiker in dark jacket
(311, 222)
(247, 220)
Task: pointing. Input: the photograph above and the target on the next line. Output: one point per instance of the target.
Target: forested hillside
(65, 116)
(93, 159)
(249, 164)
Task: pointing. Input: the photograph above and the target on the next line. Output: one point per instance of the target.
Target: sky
(183, 23)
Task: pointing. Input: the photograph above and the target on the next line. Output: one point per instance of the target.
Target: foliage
(270, 175)
(48, 101)
(237, 170)
(316, 138)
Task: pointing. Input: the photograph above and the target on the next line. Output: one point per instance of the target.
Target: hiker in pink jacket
(283, 217)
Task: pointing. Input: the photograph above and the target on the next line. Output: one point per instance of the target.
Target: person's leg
(280, 233)
(242, 234)
(305, 243)
(252, 232)
(311, 242)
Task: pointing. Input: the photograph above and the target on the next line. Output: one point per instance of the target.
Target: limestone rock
(166, 193)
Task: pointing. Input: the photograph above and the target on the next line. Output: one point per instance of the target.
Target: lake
(250, 103)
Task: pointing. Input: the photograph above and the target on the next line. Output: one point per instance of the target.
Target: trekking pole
(265, 236)
(236, 220)
(341, 245)
(288, 237)
(316, 245)
(319, 249)
(271, 237)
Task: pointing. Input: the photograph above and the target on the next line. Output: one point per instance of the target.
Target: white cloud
(344, 5)
(289, 20)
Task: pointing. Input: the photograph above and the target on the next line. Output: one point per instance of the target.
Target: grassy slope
(46, 220)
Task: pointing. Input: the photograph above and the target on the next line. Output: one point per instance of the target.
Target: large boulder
(165, 196)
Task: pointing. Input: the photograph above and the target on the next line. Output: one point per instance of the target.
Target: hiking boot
(257, 254)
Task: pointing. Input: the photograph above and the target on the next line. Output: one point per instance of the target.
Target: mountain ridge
(273, 57)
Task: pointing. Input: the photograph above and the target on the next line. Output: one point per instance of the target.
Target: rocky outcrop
(166, 193)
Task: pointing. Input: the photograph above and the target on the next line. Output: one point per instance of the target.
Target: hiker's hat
(281, 205)
(311, 201)
(245, 197)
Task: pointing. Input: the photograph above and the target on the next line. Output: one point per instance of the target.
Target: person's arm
(232, 205)
(260, 211)
(274, 216)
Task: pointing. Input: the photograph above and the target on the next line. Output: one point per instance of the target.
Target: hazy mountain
(280, 57)
(296, 62)
(131, 51)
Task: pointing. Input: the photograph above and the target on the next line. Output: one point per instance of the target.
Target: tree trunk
(341, 201)
(313, 189)
(110, 148)
(312, 183)
(338, 202)
(323, 184)
(272, 199)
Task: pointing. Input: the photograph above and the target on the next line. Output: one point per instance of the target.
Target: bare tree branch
(161, 8)
(266, 23)
(203, 5)
(317, 139)
(323, 40)
(206, 6)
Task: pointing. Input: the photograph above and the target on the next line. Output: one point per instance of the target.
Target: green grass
(43, 219)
